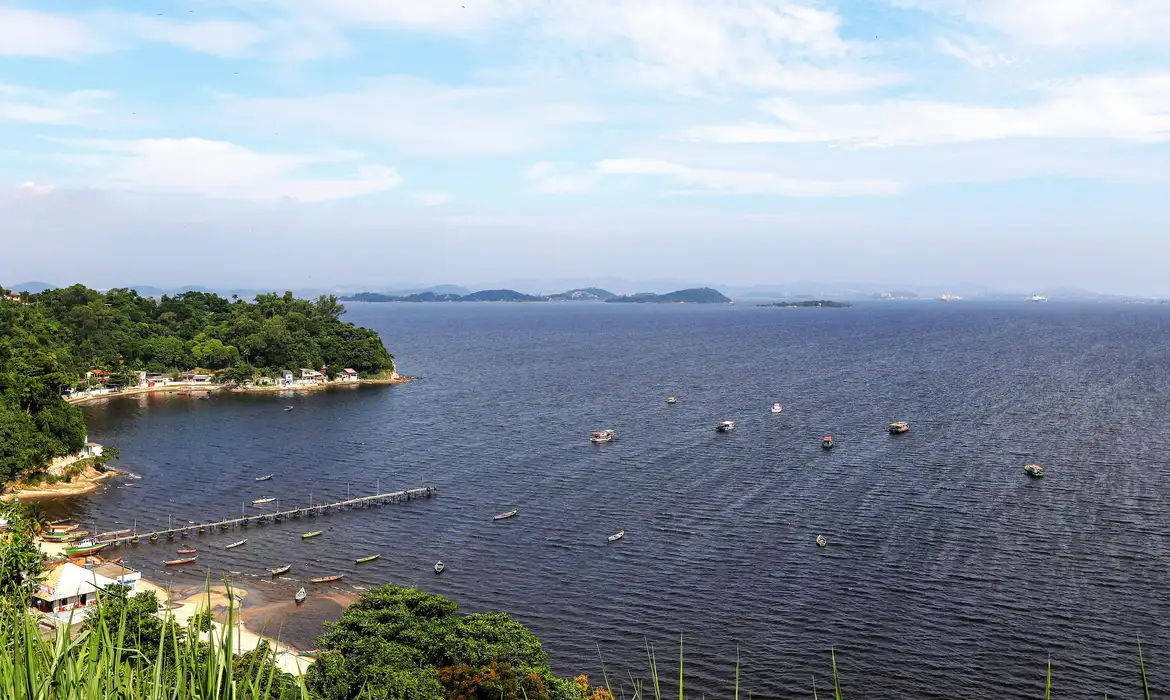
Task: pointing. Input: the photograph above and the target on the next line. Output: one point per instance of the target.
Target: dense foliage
(21, 561)
(50, 340)
(702, 295)
(402, 643)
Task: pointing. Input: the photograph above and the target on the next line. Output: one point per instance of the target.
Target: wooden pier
(119, 537)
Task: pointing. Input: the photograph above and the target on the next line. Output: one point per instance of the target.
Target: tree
(21, 561)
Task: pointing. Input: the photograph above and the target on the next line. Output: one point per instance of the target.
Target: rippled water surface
(949, 572)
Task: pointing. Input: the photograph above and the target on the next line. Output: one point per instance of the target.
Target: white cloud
(215, 37)
(421, 117)
(40, 34)
(1073, 24)
(227, 170)
(29, 105)
(1130, 109)
(431, 199)
(32, 189)
(562, 178)
(975, 53)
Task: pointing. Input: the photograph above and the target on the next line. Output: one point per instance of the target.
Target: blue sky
(1016, 143)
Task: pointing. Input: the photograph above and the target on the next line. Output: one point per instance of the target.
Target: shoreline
(82, 484)
(216, 388)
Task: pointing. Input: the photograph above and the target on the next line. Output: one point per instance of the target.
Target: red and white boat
(598, 436)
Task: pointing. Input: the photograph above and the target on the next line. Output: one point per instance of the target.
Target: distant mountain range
(682, 296)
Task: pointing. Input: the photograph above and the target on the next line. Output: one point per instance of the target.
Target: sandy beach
(201, 389)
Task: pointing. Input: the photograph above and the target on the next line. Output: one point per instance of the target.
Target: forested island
(69, 338)
(702, 295)
(587, 294)
(819, 303)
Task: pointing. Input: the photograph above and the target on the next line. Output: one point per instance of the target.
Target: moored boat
(725, 426)
(177, 562)
(598, 436)
(777, 407)
(439, 566)
(266, 477)
(233, 545)
(308, 535)
(821, 541)
(616, 536)
(671, 399)
(326, 579)
(62, 528)
(827, 443)
(262, 501)
(300, 596)
(899, 427)
(186, 550)
(85, 548)
(363, 560)
(280, 570)
(509, 514)
(1034, 470)
(72, 536)
(289, 408)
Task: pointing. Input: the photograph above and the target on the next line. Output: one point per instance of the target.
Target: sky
(1014, 143)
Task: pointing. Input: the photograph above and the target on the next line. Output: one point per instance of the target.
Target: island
(815, 304)
(584, 294)
(64, 346)
(511, 295)
(701, 295)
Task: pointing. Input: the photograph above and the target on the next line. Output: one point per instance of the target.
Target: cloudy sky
(1018, 143)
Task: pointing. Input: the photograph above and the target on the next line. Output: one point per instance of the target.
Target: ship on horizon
(1037, 298)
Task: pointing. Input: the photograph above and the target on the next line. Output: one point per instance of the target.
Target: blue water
(949, 572)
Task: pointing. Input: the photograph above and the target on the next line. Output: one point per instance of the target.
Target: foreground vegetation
(51, 340)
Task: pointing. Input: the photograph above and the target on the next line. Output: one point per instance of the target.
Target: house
(311, 375)
(97, 375)
(286, 377)
(70, 590)
(152, 380)
(120, 574)
(196, 377)
(347, 375)
(91, 449)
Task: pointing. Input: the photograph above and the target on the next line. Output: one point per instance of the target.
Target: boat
(777, 407)
(725, 426)
(827, 443)
(300, 596)
(617, 536)
(307, 535)
(509, 514)
(899, 427)
(326, 579)
(134, 539)
(289, 408)
(1034, 470)
(233, 545)
(85, 548)
(821, 541)
(61, 528)
(364, 560)
(439, 566)
(599, 436)
(66, 537)
(671, 399)
(309, 652)
(262, 501)
(280, 570)
(1037, 298)
(184, 393)
(266, 477)
(177, 562)
(185, 551)
(117, 560)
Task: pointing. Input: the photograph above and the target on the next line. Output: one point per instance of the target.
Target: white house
(286, 377)
(69, 590)
(347, 375)
(311, 375)
(196, 377)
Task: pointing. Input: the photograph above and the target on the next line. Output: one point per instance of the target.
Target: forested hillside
(48, 341)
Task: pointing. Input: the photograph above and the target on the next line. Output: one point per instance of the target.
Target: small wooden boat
(671, 399)
(777, 407)
(266, 477)
(1034, 470)
(509, 514)
(185, 551)
(233, 545)
(307, 535)
(153, 538)
(827, 443)
(289, 408)
(118, 560)
(617, 536)
(899, 428)
(65, 536)
(62, 528)
(309, 652)
(300, 596)
(326, 579)
(84, 549)
(184, 393)
(725, 426)
(439, 566)
(134, 539)
(821, 541)
(364, 560)
(262, 501)
(280, 570)
(177, 562)
(600, 436)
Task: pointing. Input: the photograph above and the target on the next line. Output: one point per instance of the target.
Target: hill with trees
(49, 341)
(701, 295)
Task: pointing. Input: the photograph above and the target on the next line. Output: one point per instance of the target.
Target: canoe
(71, 536)
(62, 529)
(363, 560)
(300, 596)
(266, 477)
(261, 501)
(617, 535)
(280, 570)
(326, 579)
(177, 562)
(307, 535)
(233, 545)
(185, 551)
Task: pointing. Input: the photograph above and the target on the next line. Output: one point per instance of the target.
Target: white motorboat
(439, 566)
(300, 596)
(777, 407)
(233, 545)
(725, 427)
(617, 535)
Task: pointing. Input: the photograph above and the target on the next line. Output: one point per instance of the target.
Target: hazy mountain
(30, 287)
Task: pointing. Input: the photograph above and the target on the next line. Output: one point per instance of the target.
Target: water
(949, 572)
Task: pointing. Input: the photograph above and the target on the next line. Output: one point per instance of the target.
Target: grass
(98, 664)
